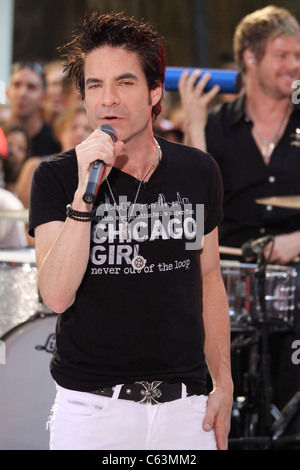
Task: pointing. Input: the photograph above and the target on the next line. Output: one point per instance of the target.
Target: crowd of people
(44, 116)
(251, 137)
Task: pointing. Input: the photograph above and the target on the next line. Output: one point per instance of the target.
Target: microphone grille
(110, 131)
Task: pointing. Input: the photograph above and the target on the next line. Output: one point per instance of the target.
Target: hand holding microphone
(97, 168)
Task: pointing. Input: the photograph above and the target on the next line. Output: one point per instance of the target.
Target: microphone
(96, 171)
(252, 247)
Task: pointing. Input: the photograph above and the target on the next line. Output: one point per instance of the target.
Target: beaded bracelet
(80, 216)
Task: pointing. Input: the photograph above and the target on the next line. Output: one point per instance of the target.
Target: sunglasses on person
(35, 66)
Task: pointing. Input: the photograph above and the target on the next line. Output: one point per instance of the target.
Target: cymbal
(22, 215)
(288, 202)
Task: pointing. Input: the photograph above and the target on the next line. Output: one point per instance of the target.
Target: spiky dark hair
(116, 30)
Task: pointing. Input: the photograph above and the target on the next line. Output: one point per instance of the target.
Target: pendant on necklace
(267, 152)
(138, 263)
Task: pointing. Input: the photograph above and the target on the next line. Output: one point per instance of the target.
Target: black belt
(147, 392)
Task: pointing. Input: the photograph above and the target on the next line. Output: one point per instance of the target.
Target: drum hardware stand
(259, 431)
(251, 405)
(258, 406)
(287, 414)
(247, 406)
(257, 383)
(265, 356)
(242, 411)
(292, 408)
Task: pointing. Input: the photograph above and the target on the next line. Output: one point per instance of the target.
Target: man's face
(280, 66)
(25, 93)
(116, 92)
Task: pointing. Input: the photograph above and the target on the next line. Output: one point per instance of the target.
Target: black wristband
(80, 216)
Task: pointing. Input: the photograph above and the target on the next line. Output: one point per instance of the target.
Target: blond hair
(64, 119)
(259, 28)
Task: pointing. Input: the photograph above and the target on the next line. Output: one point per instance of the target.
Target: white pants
(84, 421)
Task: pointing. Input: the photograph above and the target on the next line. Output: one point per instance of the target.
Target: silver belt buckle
(150, 392)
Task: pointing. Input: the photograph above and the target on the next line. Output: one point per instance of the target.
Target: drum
(242, 287)
(27, 390)
(19, 297)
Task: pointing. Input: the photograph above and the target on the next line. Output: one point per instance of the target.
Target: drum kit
(261, 301)
(27, 340)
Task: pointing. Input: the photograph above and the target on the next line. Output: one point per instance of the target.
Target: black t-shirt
(44, 143)
(246, 177)
(127, 325)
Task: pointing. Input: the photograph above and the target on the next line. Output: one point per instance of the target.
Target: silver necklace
(138, 262)
(268, 145)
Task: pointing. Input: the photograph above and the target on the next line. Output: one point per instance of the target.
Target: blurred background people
(61, 93)
(70, 129)
(26, 93)
(12, 231)
(4, 113)
(19, 151)
(53, 104)
(3, 154)
(169, 124)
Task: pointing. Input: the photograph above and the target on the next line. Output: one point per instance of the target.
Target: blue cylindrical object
(228, 80)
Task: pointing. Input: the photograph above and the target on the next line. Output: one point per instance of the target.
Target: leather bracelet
(81, 216)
